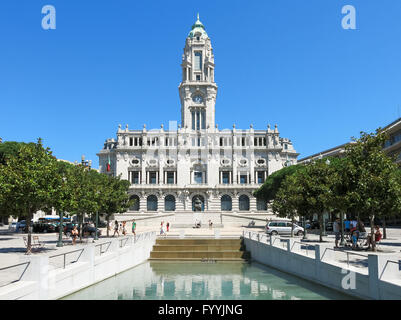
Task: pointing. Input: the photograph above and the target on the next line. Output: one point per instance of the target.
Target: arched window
(152, 203)
(244, 203)
(169, 203)
(226, 203)
(196, 200)
(261, 205)
(135, 205)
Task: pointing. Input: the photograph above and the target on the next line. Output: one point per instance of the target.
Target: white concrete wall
(382, 281)
(42, 281)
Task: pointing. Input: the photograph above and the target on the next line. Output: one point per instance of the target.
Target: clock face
(198, 99)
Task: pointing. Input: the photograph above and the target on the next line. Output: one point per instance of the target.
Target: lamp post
(60, 231)
(96, 237)
(342, 242)
(324, 222)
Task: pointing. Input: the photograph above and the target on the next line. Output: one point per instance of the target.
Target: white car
(283, 227)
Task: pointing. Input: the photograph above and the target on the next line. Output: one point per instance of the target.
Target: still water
(203, 281)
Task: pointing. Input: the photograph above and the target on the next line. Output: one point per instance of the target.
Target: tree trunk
(108, 224)
(80, 227)
(321, 228)
(292, 227)
(28, 223)
(384, 228)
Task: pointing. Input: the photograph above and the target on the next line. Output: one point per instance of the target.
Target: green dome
(198, 27)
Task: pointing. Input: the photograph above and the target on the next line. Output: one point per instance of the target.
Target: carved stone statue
(197, 204)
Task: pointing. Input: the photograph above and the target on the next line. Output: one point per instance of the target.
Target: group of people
(355, 230)
(122, 227)
(164, 229)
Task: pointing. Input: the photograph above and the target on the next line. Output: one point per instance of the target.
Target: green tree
(25, 182)
(273, 183)
(114, 196)
(289, 199)
(316, 184)
(372, 178)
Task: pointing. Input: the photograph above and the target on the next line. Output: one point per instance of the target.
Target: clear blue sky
(277, 61)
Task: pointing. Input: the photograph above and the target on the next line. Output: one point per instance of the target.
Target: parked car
(313, 225)
(44, 227)
(89, 230)
(283, 227)
(21, 226)
(329, 226)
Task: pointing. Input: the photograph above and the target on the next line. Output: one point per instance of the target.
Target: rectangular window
(152, 177)
(226, 177)
(197, 120)
(198, 60)
(135, 177)
(170, 177)
(131, 142)
(198, 177)
(261, 176)
(243, 178)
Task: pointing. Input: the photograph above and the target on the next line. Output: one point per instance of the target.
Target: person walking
(133, 227)
(74, 235)
(168, 226)
(162, 229)
(124, 231)
(336, 230)
(347, 225)
(116, 228)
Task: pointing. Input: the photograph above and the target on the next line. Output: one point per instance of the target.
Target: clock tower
(198, 90)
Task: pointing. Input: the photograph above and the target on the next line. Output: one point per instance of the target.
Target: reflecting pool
(204, 281)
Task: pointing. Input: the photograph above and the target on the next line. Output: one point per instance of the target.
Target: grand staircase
(199, 250)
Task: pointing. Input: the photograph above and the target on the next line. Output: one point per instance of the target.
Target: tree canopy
(32, 179)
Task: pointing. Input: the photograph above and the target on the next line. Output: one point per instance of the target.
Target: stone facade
(172, 169)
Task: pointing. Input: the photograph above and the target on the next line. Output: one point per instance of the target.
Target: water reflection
(197, 280)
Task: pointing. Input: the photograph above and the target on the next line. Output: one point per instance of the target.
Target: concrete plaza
(12, 248)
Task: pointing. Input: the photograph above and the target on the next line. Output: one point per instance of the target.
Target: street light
(324, 222)
(60, 231)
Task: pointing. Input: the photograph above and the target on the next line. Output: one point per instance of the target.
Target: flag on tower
(108, 165)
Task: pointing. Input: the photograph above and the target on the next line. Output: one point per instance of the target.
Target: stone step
(202, 260)
(199, 249)
(199, 254)
(237, 247)
(198, 241)
(191, 225)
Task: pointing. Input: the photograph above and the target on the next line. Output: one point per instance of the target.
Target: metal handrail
(100, 245)
(121, 241)
(65, 254)
(391, 261)
(303, 243)
(346, 252)
(13, 266)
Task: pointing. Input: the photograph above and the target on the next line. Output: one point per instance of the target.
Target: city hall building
(195, 169)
